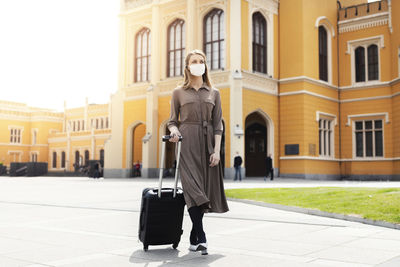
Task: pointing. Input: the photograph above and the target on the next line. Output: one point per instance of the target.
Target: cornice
(363, 22)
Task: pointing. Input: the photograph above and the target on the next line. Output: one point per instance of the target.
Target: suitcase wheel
(175, 245)
(145, 247)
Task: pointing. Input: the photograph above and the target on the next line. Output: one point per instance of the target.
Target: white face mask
(197, 69)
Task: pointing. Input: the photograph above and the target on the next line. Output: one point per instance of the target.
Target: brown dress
(198, 116)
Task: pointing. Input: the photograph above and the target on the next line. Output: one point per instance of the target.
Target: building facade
(64, 140)
(314, 83)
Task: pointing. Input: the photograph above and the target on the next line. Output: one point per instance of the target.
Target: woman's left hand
(214, 159)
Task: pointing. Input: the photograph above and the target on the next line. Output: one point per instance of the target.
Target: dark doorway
(137, 134)
(255, 145)
(86, 158)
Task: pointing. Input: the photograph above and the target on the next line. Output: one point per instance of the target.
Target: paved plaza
(49, 221)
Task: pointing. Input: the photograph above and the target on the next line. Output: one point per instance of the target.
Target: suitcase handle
(164, 139)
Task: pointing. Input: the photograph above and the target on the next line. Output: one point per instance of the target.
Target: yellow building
(61, 139)
(314, 83)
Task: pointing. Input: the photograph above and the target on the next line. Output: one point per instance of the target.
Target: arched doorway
(255, 145)
(76, 164)
(137, 134)
(86, 158)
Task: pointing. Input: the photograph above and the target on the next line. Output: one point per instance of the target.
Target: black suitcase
(161, 211)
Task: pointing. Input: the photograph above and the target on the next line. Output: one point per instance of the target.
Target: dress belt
(207, 128)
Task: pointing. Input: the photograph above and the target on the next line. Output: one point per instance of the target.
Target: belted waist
(207, 130)
(203, 123)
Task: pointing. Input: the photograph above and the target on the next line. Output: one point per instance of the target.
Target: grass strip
(381, 204)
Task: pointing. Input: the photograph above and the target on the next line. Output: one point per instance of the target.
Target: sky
(56, 50)
(53, 51)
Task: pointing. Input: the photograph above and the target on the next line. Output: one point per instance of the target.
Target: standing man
(270, 169)
(237, 163)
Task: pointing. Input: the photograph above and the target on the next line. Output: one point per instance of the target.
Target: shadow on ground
(171, 257)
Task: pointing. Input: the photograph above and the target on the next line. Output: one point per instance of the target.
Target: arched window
(360, 64)
(54, 159)
(214, 39)
(176, 48)
(83, 125)
(142, 55)
(63, 159)
(101, 123)
(107, 122)
(373, 70)
(323, 53)
(79, 125)
(259, 43)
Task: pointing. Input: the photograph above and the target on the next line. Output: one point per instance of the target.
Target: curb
(318, 213)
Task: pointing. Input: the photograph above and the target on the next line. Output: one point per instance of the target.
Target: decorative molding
(385, 114)
(271, 6)
(219, 77)
(218, 4)
(139, 89)
(365, 22)
(309, 93)
(260, 82)
(131, 4)
(307, 79)
(335, 159)
(319, 113)
(327, 23)
(378, 40)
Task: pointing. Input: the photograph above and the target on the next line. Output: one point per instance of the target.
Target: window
(34, 157)
(101, 123)
(97, 123)
(54, 159)
(323, 53)
(107, 122)
(360, 64)
(259, 43)
(214, 39)
(369, 138)
(83, 125)
(176, 48)
(15, 136)
(325, 137)
(142, 55)
(34, 135)
(367, 64)
(63, 159)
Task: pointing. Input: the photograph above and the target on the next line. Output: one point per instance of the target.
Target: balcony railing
(361, 10)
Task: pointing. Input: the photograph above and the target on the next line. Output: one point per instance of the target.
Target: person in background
(270, 168)
(237, 162)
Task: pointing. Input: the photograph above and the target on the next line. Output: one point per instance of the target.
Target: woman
(196, 115)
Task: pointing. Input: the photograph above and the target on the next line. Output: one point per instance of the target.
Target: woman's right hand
(175, 134)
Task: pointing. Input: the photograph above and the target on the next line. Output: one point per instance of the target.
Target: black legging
(197, 234)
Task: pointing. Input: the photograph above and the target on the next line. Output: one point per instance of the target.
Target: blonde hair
(186, 74)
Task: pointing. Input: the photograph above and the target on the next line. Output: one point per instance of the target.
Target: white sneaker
(203, 248)
(193, 247)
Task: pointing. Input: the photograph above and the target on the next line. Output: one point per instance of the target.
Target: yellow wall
(134, 112)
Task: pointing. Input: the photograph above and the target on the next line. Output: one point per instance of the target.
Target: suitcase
(161, 211)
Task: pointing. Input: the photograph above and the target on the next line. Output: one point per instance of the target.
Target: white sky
(56, 50)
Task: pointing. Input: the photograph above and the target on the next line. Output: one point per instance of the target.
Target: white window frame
(14, 137)
(364, 139)
(330, 32)
(365, 42)
(269, 18)
(34, 156)
(34, 136)
(398, 61)
(333, 119)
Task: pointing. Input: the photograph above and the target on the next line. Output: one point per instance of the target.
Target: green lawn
(371, 203)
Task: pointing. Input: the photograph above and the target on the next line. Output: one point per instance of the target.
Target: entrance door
(255, 149)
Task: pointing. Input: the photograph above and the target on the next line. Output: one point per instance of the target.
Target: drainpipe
(390, 15)
(338, 86)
